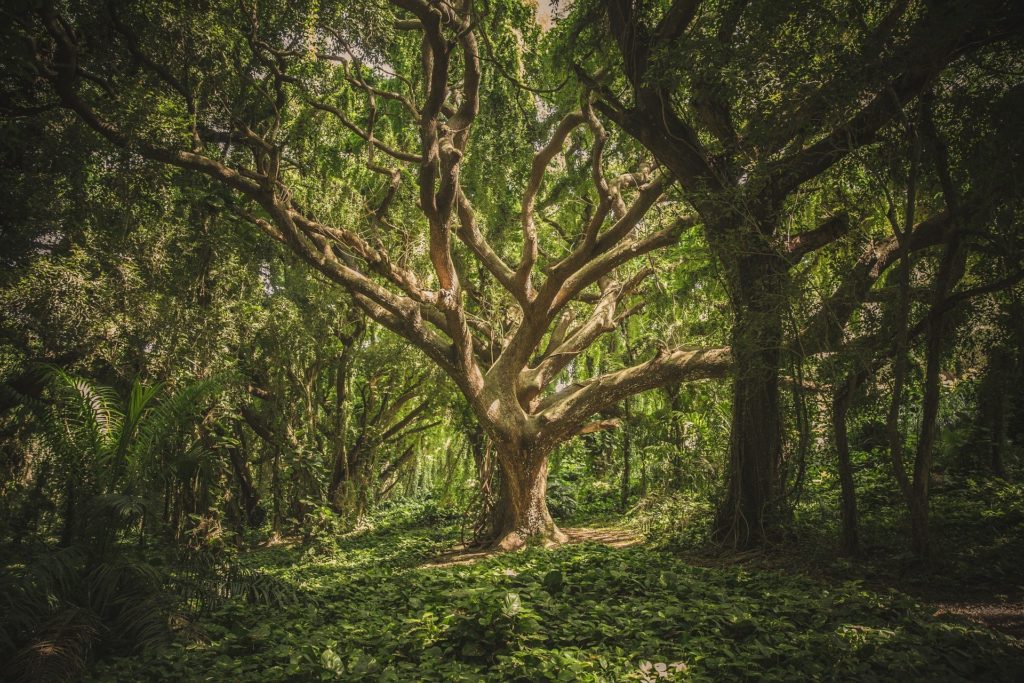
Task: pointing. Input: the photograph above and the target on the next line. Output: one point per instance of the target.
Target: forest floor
(1005, 615)
(973, 571)
(378, 606)
(611, 536)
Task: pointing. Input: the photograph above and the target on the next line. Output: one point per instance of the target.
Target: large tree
(269, 107)
(751, 105)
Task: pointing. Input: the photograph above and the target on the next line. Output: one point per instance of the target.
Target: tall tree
(750, 104)
(254, 108)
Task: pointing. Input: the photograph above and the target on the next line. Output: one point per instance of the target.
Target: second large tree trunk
(755, 441)
(521, 513)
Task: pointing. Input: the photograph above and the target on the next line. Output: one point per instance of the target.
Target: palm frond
(138, 404)
(165, 424)
(84, 417)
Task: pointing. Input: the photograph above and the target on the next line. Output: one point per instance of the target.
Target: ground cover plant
(380, 610)
(709, 313)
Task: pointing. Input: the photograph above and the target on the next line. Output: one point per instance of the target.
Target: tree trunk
(755, 442)
(676, 435)
(919, 540)
(999, 434)
(849, 538)
(627, 457)
(991, 423)
(900, 365)
(276, 491)
(951, 270)
(250, 496)
(521, 513)
(627, 430)
(339, 472)
(901, 360)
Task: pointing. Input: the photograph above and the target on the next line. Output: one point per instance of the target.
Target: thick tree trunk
(755, 442)
(521, 513)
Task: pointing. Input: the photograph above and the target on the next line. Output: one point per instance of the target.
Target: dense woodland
(604, 340)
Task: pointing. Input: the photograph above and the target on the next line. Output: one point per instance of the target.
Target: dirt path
(1007, 617)
(614, 537)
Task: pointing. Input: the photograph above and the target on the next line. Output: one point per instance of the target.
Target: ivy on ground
(374, 611)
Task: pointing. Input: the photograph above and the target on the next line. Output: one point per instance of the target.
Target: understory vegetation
(602, 340)
(385, 604)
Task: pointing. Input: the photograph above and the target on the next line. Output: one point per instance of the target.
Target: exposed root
(515, 540)
(467, 554)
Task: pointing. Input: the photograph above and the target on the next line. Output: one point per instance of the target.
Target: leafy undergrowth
(371, 611)
(977, 538)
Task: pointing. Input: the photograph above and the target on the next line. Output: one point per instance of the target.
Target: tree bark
(849, 541)
(521, 513)
(755, 442)
(250, 496)
(627, 458)
(951, 271)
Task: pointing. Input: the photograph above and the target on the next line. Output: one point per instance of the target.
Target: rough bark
(522, 513)
(755, 444)
(509, 379)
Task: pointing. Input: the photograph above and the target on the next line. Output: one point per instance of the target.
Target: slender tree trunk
(276, 490)
(951, 270)
(902, 321)
(522, 509)
(675, 407)
(919, 536)
(849, 536)
(250, 496)
(999, 433)
(991, 424)
(627, 458)
(627, 430)
(803, 443)
(339, 472)
(755, 443)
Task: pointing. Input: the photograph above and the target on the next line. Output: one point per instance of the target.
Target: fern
(59, 648)
(204, 581)
(60, 607)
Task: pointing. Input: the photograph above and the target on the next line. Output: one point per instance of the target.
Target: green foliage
(580, 613)
(562, 501)
(228, 456)
(63, 605)
(674, 519)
